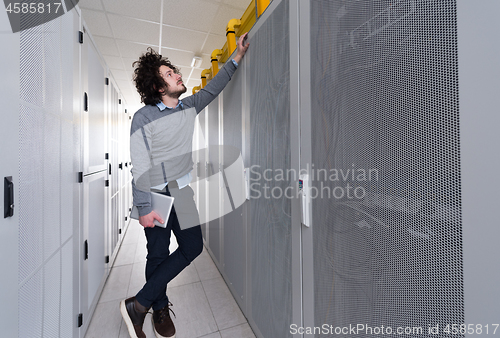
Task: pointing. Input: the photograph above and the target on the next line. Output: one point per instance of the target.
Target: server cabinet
(390, 108)
(393, 92)
(92, 251)
(269, 145)
(234, 235)
(9, 222)
(257, 242)
(40, 65)
(56, 132)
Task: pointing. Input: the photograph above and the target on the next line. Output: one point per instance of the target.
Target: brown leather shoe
(133, 314)
(162, 323)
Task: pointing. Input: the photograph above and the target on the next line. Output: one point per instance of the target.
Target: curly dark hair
(147, 77)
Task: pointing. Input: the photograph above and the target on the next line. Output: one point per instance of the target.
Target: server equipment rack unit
(391, 108)
(63, 127)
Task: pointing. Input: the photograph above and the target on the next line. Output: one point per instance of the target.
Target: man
(161, 137)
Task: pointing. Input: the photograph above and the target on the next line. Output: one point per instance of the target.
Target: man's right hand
(147, 221)
(241, 48)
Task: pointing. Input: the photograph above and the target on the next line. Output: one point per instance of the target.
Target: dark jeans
(161, 266)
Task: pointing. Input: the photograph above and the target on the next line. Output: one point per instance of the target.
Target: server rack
(59, 238)
(401, 93)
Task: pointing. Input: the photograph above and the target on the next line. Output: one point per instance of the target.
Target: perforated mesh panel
(67, 180)
(51, 171)
(270, 230)
(30, 305)
(31, 65)
(46, 170)
(234, 231)
(385, 98)
(66, 313)
(52, 294)
(213, 194)
(30, 190)
(52, 66)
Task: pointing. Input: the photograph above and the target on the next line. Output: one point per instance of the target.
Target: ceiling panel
(134, 30)
(179, 58)
(107, 46)
(240, 4)
(128, 63)
(182, 39)
(147, 10)
(132, 49)
(121, 74)
(205, 62)
(214, 40)
(97, 23)
(193, 83)
(128, 86)
(113, 62)
(224, 14)
(196, 73)
(91, 4)
(182, 13)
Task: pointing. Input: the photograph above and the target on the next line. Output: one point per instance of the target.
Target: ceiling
(177, 29)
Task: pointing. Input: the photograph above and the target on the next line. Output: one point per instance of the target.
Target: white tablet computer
(161, 204)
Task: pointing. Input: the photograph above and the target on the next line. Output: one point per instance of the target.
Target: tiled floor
(203, 304)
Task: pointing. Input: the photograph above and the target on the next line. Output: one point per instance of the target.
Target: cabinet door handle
(86, 250)
(85, 102)
(8, 197)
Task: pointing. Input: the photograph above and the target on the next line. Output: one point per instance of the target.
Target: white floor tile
(106, 321)
(240, 331)
(117, 284)
(126, 255)
(133, 290)
(141, 252)
(212, 335)
(224, 308)
(138, 275)
(147, 328)
(123, 330)
(133, 233)
(187, 276)
(206, 267)
(193, 315)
